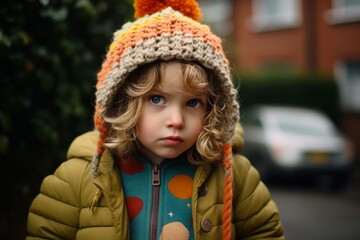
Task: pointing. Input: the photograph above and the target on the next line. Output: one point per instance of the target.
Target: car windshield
(305, 124)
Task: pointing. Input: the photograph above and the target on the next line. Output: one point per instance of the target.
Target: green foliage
(51, 51)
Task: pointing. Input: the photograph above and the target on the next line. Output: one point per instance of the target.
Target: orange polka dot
(181, 186)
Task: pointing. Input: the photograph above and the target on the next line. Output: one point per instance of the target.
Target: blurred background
(298, 54)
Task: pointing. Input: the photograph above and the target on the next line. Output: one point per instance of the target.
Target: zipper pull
(156, 175)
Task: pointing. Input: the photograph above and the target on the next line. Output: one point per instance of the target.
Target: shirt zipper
(155, 201)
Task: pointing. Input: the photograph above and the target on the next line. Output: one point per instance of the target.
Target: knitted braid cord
(228, 192)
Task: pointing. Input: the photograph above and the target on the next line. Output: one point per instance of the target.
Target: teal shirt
(158, 197)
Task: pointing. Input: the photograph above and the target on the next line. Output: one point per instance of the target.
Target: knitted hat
(165, 30)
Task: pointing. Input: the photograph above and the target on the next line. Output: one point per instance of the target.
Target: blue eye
(156, 99)
(193, 103)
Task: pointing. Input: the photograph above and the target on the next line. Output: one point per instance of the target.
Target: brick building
(304, 35)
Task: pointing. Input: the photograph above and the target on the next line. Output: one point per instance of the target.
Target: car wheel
(260, 162)
(339, 182)
(333, 183)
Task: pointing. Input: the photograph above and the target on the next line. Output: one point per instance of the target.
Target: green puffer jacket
(62, 209)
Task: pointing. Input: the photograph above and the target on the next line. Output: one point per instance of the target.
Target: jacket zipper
(155, 201)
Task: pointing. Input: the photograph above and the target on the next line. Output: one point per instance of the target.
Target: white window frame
(261, 20)
(349, 86)
(217, 14)
(341, 12)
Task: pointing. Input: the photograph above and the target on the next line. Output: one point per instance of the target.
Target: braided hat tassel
(228, 192)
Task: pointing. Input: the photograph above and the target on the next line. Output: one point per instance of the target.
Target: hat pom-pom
(189, 8)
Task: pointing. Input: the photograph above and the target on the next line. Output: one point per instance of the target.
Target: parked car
(284, 141)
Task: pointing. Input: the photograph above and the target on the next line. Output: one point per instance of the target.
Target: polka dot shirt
(158, 198)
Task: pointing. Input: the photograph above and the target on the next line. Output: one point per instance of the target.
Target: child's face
(172, 117)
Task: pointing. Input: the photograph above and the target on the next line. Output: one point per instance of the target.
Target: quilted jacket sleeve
(54, 213)
(256, 216)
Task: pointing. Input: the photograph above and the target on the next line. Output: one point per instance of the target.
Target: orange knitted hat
(168, 30)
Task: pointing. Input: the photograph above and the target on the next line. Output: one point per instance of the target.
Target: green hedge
(307, 90)
(50, 53)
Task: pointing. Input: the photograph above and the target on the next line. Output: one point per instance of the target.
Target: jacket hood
(84, 146)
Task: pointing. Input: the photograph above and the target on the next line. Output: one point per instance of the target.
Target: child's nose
(175, 118)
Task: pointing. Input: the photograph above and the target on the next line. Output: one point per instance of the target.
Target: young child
(160, 164)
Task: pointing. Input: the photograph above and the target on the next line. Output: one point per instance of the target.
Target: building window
(271, 15)
(343, 11)
(217, 14)
(347, 74)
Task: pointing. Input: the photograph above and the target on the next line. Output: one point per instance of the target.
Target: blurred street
(315, 214)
